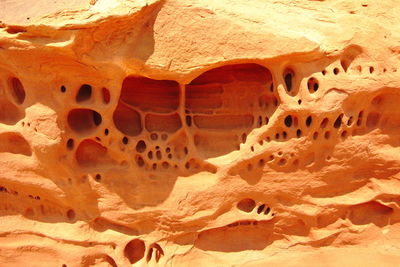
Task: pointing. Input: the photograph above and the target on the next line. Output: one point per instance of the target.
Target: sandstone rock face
(196, 133)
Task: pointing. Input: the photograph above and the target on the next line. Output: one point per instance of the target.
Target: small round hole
(338, 121)
(140, 161)
(288, 121)
(350, 121)
(336, 71)
(261, 162)
(154, 136)
(312, 85)
(63, 89)
(308, 121)
(70, 144)
(141, 146)
(371, 70)
(282, 162)
(249, 167)
(106, 95)
(288, 77)
(84, 93)
(71, 214)
(260, 208)
(324, 123)
(165, 165)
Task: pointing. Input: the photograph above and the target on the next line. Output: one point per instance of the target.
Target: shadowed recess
(224, 103)
(84, 93)
(83, 120)
(134, 250)
(239, 236)
(161, 96)
(17, 90)
(14, 143)
(90, 154)
(127, 120)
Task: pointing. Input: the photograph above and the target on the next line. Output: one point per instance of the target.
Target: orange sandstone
(199, 133)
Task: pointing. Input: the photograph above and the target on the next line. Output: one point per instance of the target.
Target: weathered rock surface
(195, 133)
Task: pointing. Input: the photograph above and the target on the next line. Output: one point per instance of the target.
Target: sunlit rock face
(199, 133)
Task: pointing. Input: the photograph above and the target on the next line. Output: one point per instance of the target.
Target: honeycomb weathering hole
(17, 90)
(127, 120)
(163, 123)
(106, 95)
(134, 250)
(90, 153)
(158, 251)
(312, 85)
(220, 106)
(246, 205)
(288, 78)
(84, 93)
(83, 120)
(161, 96)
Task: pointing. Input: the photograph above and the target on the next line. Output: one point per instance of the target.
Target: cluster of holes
(4, 189)
(34, 197)
(291, 121)
(341, 125)
(219, 122)
(157, 158)
(70, 213)
(85, 121)
(345, 63)
(312, 85)
(82, 120)
(288, 75)
(248, 205)
(129, 120)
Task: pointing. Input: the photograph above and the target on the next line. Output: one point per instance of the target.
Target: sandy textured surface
(199, 133)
